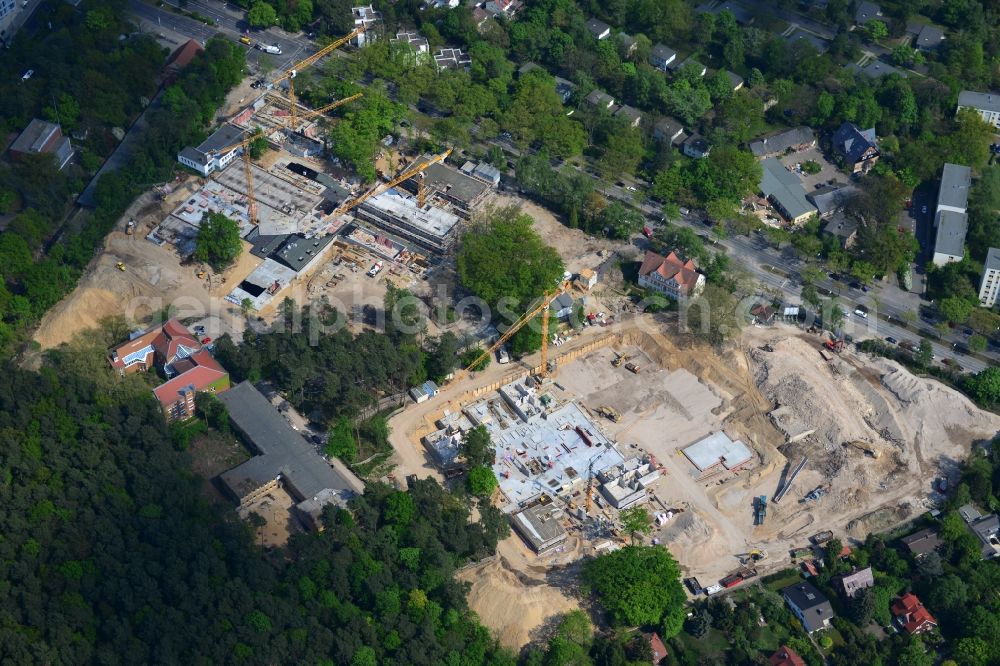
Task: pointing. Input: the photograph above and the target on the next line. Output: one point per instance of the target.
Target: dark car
(967, 331)
(891, 340)
(855, 285)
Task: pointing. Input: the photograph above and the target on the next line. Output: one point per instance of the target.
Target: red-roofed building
(189, 367)
(182, 57)
(659, 649)
(198, 372)
(786, 656)
(676, 279)
(911, 614)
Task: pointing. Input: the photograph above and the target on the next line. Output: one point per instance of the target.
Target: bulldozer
(619, 359)
(609, 413)
(865, 448)
(120, 266)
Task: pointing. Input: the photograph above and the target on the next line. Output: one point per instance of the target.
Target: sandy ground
(277, 508)
(515, 600)
(153, 280)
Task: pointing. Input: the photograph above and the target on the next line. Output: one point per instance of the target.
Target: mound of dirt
(513, 605)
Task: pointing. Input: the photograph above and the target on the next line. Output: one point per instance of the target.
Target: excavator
(619, 359)
(864, 447)
(753, 556)
(609, 412)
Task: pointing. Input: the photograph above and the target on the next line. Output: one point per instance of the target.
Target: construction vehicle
(120, 265)
(820, 538)
(632, 367)
(130, 227)
(245, 39)
(609, 412)
(294, 70)
(814, 494)
(753, 556)
(864, 447)
(760, 503)
(619, 359)
(836, 345)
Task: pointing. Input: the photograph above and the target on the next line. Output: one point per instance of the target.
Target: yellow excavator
(865, 448)
(120, 266)
(619, 359)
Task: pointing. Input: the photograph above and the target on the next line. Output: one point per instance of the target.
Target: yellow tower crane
(294, 70)
(407, 173)
(519, 324)
(248, 137)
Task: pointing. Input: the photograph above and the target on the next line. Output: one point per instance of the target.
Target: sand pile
(514, 606)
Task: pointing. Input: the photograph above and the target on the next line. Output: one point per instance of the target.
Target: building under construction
(400, 214)
(450, 189)
(541, 447)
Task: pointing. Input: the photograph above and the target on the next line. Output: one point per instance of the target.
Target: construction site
(742, 459)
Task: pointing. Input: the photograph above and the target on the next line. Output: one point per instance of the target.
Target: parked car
(891, 340)
(861, 311)
(27, 75)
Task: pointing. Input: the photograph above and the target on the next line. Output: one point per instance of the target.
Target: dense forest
(112, 552)
(97, 82)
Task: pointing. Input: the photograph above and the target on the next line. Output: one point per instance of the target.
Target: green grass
(781, 579)
(712, 645)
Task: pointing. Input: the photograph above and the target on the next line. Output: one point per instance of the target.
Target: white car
(27, 75)
(502, 356)
(630, 188)
(374, 270)
(861, 312)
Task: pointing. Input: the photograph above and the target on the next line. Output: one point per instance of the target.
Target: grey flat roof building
(954, 192)
(922, 542)
(283, 453)
(830, 199)
(978, 100)
(297, 250)
(221, 138)
(784, 189)
(456, 187)
(930, 37)
(540, 525)
(951, 230)
(796, 138)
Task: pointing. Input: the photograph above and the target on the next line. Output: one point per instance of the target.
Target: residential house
(413, 43)
(867, 11)
(599, 29)
(667, 130)
(696, 146)
(198, 373)
(482, 171)
(761, 314)
(857, 580)
(989, 286)
(505, 8)
(857, 148)
(369, 19)
(564, 88)
(446, 4)
(986, 105)
(656, 644)
(783, 189)
(809, 605)
(626, 44)
(792, 140)
(214, 153)
(43, 138)
(735, 79)
(951, 217)
(629, 114)
(800, 36)
(875, 69)
(786, 656)
(922, 542)
(660, 56)
(600, 99)
(693, 65)
(9, 9)
(843, 229)
(831, 199)
(911, 615)
(452, 59)
(562, 306)
(481, 18)
(984, 528)
(180, 58)
(283, 459)
(929, 38)
(670, 276)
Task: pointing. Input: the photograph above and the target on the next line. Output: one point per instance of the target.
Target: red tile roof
(659, 649)
(183, 55)
(199, 377)
(133, 346)
(685, 273)
(165, 341)
(914, 616)
(786, 656)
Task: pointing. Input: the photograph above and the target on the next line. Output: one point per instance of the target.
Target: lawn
(776, 581)
(710, 647)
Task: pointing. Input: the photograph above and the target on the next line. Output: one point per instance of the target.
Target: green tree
(482, 481)
(972, 652)
(218, 242)
(477, 447)
(977, 343)
(639, 586)
(925, 353)
(956, 310)
(635, 521)
(503, 256)
(876, 30)
(341, 441)
(984, 386)
(862, 606)
(262, 15)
